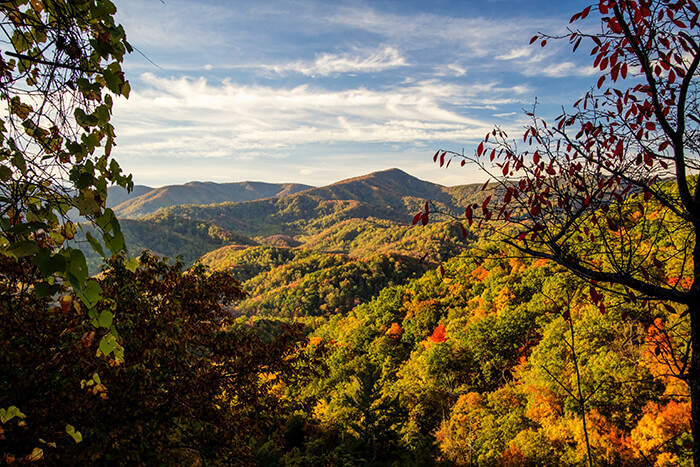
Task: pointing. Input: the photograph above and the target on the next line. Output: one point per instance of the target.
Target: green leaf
(10, 413)
(91, 294)
(105, 319)
(106, 220)
(44, 289)
(23, 248)
(5, 173)
(108, 344)
(132, 264)
(77, 269)
(115, 242)
(19, 162)
(95, 244)
(87, 203)
(49, 263)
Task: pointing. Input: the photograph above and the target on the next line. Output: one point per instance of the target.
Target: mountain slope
(391, 195)
(117, 195)
(203, 193)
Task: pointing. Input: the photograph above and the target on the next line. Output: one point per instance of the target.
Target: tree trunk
(693, 380)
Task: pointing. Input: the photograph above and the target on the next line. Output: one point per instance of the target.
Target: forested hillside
(142, 202)
(547, 317)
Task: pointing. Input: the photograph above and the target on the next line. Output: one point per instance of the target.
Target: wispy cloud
(186, 117)
(234, 81)
(328, 64)
(515, 53)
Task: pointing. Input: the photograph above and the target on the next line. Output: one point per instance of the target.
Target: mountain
(358, 217)
(391, 195)
(392, 188)
(117, 195)
(148, 202)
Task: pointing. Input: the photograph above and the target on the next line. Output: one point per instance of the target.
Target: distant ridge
(352, 216)
(389, 194)
(117, 195)
(202, 193)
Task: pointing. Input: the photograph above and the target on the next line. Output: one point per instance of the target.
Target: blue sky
(318, 91)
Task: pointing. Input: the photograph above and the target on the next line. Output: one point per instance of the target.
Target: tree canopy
(617, 174)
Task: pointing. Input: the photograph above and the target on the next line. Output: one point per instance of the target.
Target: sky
(319, 91)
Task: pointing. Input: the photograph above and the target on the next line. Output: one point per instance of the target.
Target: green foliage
(480, 391)
(60, 72)
(65, 67)
(192, 387)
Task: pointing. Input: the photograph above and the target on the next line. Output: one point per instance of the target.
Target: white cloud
(515, 53)
(188, 117)
(458, 70)
(506, 114)
(328, 64)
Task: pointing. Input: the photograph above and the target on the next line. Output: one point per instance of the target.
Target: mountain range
(145, 200)
(299, 250)
(187, 220)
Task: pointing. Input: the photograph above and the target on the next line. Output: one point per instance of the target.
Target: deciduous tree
(601, 190)
(60, 68)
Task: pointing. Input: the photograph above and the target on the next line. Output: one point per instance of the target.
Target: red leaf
(601, 80)
(480, 149)
(536, 158)
(657, 263)
(424, 218)
(533, 39)
(651, 126)
(484, 205)
(645, 274)
(468, 214)
(417, 217)
(506, 168)
(464, 231)
(426, 207)
(442, 270)
(578, 42)
(550, 168)
(595, 296)
(436, 156)
(485, 185)
(566, 315)
(442, 159)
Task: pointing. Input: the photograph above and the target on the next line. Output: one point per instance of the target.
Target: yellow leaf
(36, 454)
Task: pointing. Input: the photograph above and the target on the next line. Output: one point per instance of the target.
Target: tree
(59, 71)
(609, 189)
(193, 386)
(60, 68)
